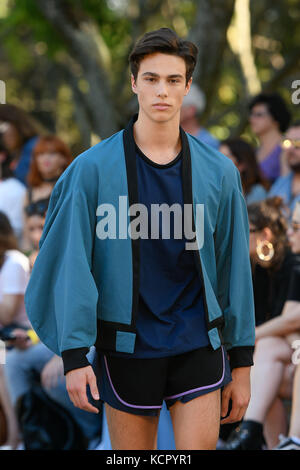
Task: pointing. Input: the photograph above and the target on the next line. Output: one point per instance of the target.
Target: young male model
(162, 314)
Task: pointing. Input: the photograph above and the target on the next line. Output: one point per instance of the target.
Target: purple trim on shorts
(201, 388)
(122, 401)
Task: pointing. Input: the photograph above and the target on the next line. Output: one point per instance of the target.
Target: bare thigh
(131, 432)
(196, 424)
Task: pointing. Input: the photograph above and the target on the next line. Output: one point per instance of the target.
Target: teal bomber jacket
(84, 290)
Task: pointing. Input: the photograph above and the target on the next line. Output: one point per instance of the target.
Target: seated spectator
(271, 257)
(12, 193)
(35, 225)
(273, 366)
(288, 186)
(192, 107)
(28, 356)
(14, 277)
(243, 156)
(14, 274)
(19, 134)
(269, 119)
(51, 156)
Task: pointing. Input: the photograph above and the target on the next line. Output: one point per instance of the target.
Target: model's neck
(159, 141)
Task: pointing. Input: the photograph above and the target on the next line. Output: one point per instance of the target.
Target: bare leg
(131, 432)
(270, 358)
(275, 423)
(295, 412)
(196, 423)
(12, 424)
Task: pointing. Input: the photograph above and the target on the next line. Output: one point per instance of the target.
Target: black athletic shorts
(139, 386)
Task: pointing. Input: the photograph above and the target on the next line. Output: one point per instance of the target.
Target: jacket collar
(130, 158)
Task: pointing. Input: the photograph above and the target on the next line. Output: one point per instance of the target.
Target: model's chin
(162, 115)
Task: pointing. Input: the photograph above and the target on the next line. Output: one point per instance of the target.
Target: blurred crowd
(30, 165)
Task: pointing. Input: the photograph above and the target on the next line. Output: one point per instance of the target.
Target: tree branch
(84, 50)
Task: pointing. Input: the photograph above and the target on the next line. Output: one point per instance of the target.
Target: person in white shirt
(12, 193)
(14, 276)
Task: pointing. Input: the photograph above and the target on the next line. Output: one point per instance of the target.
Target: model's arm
(235, 289)
(235, 293)
(288, 322)
(61, 297)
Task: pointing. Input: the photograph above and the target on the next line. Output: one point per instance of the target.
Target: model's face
(292, 148)
(294, 230)
(160, 86)
(261, 120)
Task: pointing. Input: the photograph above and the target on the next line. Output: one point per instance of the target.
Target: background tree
(66, 61)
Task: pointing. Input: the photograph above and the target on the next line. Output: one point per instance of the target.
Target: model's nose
(162, 89)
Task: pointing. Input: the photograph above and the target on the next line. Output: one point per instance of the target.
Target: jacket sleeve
(235, 288)
(61, 297)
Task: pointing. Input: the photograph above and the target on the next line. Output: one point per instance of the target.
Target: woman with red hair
(51, 156)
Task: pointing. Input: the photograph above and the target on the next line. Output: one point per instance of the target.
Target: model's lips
(161, 106)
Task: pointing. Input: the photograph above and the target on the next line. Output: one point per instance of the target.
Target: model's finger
(233, 417)
(225, 404)
(84, 403)
(74, 399)
(93, 386)
(242, 413)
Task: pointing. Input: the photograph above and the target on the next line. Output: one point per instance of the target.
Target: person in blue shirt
(288, 186)
(192, 107)
(145, 254)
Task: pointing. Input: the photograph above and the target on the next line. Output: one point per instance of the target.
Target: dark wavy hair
(245, 153)
(163, 40)
(6, 171)
(276, 107)
(272, 213)
(8, 239)
(23, 122)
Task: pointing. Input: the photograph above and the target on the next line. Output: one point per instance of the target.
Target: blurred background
(66, 61)
(64, 65)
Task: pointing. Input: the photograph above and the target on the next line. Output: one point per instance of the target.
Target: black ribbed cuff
(74, 359)
(241, 356)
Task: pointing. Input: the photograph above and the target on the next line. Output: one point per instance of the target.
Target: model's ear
(133, 84)
(188, 86)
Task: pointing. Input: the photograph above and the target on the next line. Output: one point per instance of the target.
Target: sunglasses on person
(37, 208)
(288, 143)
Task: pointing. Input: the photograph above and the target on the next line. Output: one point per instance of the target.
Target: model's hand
(239, 392)
(76, 382)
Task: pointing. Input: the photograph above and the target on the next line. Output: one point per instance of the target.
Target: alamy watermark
(164, 221)
(2, 92)
(296, 94)
(2, 352)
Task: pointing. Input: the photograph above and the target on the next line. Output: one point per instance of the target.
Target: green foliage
(31, 46)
